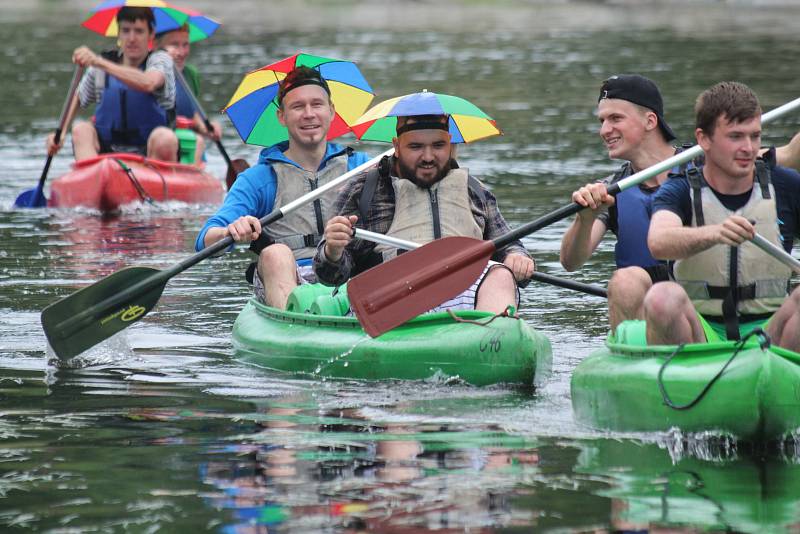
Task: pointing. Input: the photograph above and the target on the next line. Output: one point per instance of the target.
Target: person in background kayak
(725, 286)
(176, 43)
(420, 194)
(134, 90)
(631, 113)
(632, 126)
(285, 172)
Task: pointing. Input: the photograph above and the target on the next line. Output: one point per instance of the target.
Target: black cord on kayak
(136, 185)
(764, 343)
(510, 312)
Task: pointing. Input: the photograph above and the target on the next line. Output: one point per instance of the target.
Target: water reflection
(369, 475)
(652, 492)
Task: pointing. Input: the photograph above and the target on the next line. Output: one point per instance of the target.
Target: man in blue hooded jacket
(285, 172)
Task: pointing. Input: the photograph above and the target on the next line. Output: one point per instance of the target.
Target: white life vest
(302, 229)
(730, 281)
(424, 214)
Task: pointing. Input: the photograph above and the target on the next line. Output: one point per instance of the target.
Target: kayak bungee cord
(764, 344)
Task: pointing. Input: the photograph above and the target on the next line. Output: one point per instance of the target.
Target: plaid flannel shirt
(357, 255)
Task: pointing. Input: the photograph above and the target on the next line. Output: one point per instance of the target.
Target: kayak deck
(103, 183)
(756, 397)
(507, 350)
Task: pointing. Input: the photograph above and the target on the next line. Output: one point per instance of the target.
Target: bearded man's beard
(409, 173)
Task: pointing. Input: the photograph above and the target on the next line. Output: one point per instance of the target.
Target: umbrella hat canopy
(467, 122)
(253, 107)
(168, 17)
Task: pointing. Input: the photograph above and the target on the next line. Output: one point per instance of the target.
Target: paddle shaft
(199, 109)
(537, 276)
(777, 252)
(160, 278)
(626, 183)
(73, 86)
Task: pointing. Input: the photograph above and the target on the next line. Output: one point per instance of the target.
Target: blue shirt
(675, 196)
(253, 192)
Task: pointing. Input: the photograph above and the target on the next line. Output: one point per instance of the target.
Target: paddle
(589, 289)
(34, 198)
(776, 252)
(234, 166)
(390, 294)
(96, 312)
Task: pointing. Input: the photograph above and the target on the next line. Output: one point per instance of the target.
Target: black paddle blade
(390, 294)
(88, 316)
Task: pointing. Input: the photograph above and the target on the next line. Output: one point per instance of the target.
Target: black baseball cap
(639, 90)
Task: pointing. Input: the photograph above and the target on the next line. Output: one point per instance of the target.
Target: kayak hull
(756, 397)
(506, 350)
(102, 183)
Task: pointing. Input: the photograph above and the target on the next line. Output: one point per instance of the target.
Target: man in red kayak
(285, 172)
(176, 43)
(134, 90)
(725, 286)
(419, 195)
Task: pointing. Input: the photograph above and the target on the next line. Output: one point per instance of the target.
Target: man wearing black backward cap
(420, 194)
(632, 126)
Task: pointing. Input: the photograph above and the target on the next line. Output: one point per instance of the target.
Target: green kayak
(750, 391)
(313, 337)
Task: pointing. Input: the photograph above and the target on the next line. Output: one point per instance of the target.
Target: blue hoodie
(253, 192)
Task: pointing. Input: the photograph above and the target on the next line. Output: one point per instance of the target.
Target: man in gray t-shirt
(134, 93)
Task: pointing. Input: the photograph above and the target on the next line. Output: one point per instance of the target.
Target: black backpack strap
(370, 185)
(764, 177)
(476, 188)
(695, 178)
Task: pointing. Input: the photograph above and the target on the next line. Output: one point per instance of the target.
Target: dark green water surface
(163, 430)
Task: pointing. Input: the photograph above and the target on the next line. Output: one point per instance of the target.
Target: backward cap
(638, 90)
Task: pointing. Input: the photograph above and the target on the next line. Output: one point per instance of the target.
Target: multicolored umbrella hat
(103, 19)
(253, 107)
(467, 122)
(200, 26)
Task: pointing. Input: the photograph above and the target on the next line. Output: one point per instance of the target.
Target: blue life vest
(126, 116)
(634, 208)
(183, 102)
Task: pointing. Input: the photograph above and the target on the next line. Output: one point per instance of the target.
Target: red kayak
(109, 181)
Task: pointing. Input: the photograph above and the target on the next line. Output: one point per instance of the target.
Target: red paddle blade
(390, 294)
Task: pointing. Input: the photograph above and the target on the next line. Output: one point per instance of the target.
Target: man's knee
(276, 257)
(629, 281)
(85, 143)
(82, 129)
(665, 299)
(500, 276)
(794, 299)
(163, 144)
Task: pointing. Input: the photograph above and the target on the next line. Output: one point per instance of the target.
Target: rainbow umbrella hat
(103, 18)
(253, 107)
(467, 122)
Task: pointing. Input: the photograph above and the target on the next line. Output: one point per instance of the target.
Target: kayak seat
(631, 332)
(336, 305)
(318, 299)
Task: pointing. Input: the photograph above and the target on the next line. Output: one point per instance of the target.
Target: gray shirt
(92, 85)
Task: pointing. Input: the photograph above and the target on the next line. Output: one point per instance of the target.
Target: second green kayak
(756, 397)
(313, 338)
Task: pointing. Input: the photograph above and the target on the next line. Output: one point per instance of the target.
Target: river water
(162, 429)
